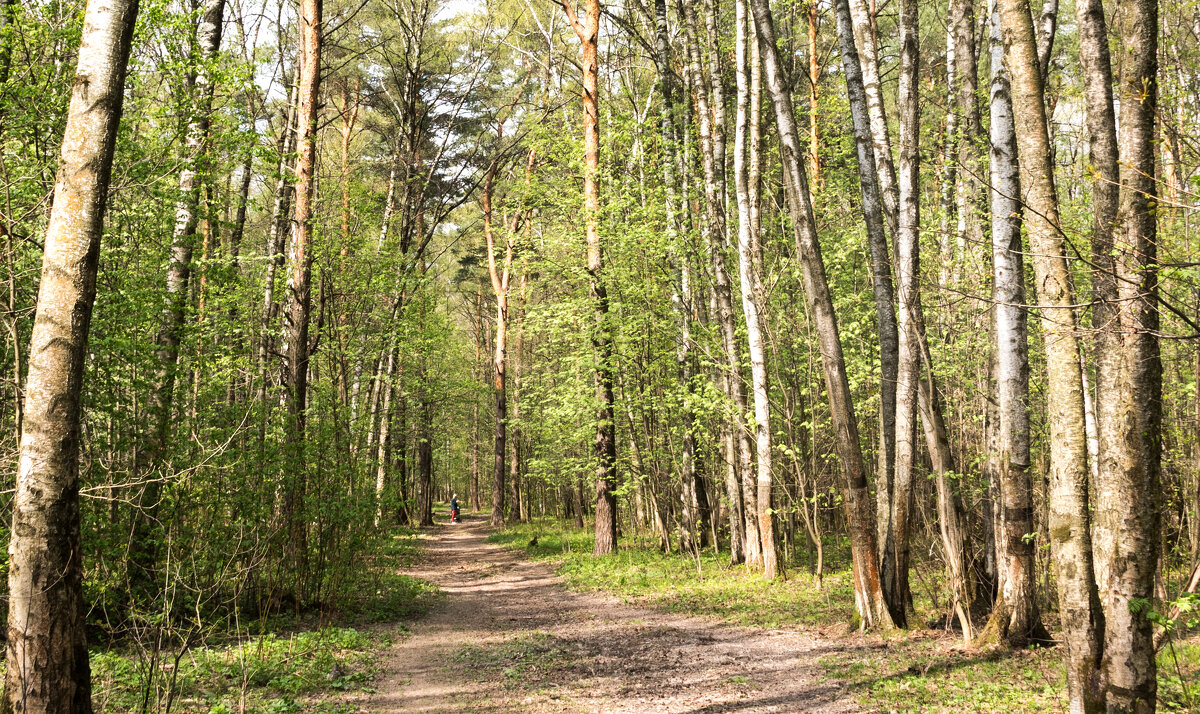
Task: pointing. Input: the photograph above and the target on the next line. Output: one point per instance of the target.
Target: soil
(510, 637)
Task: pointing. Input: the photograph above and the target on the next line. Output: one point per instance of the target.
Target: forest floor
(527, 621)
(510, 637)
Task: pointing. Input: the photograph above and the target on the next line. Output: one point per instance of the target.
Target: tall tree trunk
(867, 587)
(710, 126)
(969, 200)
(681, 293)
(47, 667)
(606, 432)
(881, 268)
(425, 449)
(284, 191)
(814, 79)
(476, 504)
(499, 277)
(870, 120)
(1015, 618)
(868, 50)
(1127, 489)
(1070, 529)
(753, 303)
(952, 524)
(143, 548)
(908, 270)
(514, 456)
(299, 295)
(383, 457)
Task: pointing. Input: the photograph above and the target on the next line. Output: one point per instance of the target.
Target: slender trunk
(143, 550)
(1046, 26)
(753, 304)
(425, 451)
(1015, 620)
(881, 270)
(814, 78)
(606, 436)
(710, 126)
(951, 517)
(1096, 63)
(1070, 530)
(239, 220)
(299, 294)
(47, 666)
(970, 202)
(284, 191)
(948, 176)
(499, 360)
(476, 504)
(908, 269)
(868, 591)
(868, 50)
(1127, 490)
(385, 422)
(514, 459)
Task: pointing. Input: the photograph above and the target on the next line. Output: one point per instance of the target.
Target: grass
(643, 575)
(275, 665)
(270, 673)
(915, 670)
(531, 660)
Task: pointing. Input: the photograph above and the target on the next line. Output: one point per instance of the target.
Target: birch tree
(868, 591)
(1070, 527)
(46, 653)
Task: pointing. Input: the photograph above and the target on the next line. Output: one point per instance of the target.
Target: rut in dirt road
(510, 637)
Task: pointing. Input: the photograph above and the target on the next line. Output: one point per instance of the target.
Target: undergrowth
(281, 663)
(916, 670)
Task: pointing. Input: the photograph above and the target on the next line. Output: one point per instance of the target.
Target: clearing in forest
(510, 637)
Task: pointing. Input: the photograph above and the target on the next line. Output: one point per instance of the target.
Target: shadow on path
(509, 637)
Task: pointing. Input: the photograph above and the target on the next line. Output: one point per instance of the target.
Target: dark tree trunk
(868, 591)
(299, 292)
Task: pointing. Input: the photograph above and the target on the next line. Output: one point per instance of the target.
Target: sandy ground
(509, 637)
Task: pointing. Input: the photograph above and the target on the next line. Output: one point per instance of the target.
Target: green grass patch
(681, 583)
(268, 674)
(273, 664)
(912, 672)
(530, 661)
(918, 670)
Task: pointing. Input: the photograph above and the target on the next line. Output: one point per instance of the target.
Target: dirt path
(509, 637)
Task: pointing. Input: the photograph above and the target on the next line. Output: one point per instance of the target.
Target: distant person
(454, 508)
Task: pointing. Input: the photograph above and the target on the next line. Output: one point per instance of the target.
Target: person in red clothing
(454, 508)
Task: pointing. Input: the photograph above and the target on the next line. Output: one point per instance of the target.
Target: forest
(897, 299)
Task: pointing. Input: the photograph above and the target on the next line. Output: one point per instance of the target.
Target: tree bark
(868, 591)
(1127, 488)
(814, 78)
(606, 434)
(1070, 530)
(1017, 621)
(710, 125)
(908, 268)
(753, 303)
(299, 294)
(865, 39)
(143, 547)
(881, 267)
(47, 667)
(499, 277)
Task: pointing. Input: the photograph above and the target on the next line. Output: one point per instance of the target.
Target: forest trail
(509, 637)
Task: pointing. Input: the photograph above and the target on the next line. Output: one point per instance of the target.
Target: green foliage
(270, 673)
